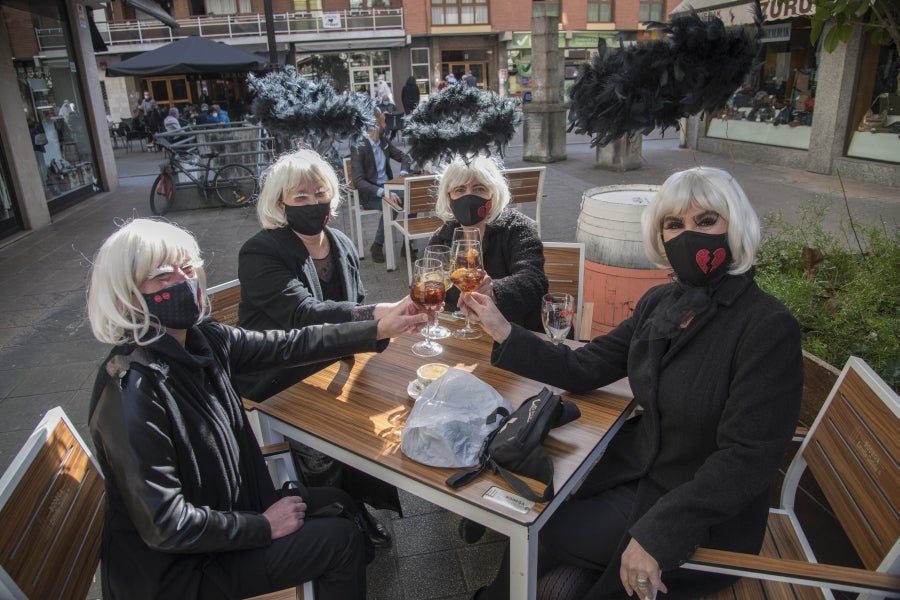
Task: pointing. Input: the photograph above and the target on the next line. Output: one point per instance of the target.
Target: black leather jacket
(184, 476)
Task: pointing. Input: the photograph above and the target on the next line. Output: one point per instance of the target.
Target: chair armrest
(792, 571)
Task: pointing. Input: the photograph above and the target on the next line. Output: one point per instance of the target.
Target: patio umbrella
(192, 55)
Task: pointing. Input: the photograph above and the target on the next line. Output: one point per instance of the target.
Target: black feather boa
(695, 67)
(309, 111)
(460, 120)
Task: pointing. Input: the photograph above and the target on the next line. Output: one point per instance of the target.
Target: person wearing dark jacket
(296, 272)
(371, 166)
(409, 95)
(715, 364)
(191, 511)
(474, 193)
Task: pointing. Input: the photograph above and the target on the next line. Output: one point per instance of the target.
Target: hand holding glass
(557, 310)
(427, 292)
(464, 233)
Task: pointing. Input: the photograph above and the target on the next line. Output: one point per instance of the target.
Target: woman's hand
(286, 516)
(639, 566)
(487, 287)
(402, 317)
(482, 310)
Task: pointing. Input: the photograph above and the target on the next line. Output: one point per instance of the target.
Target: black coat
(720, 406)
(184, 475)
(409, 97)
(365, 172)
(514, 258)
(279, 285)
(281, 290)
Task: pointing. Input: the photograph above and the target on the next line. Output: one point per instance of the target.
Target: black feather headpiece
(695, 67)
(460, 119)
(309, 111)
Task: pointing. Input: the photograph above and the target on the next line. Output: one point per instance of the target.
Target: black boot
(376, 534)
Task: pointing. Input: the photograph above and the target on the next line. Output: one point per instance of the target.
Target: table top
(361, 404)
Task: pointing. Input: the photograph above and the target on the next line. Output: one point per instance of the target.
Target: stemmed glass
(556, 314)
(427, 291)
(441, 253)
(464, 233)
(467, 272)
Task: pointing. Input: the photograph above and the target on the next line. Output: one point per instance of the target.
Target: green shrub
(847, 302)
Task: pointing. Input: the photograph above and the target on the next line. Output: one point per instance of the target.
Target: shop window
(420, 61)
(307, 5)
(600, 11)
(651, 10)
(459, 12)
(876, 115)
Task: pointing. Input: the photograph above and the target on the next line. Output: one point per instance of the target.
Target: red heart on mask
(484, 210)
(710, 262)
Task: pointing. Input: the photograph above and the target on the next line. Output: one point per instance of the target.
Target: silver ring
(642, 582)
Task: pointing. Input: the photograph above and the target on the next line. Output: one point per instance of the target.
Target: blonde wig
(116, 309)
(708, 189)
(290, 170)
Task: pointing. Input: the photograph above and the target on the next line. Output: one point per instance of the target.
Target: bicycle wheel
(162, 194)
(235, 185)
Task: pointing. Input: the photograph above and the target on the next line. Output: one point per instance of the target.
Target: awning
(153, 9)
(193, 55)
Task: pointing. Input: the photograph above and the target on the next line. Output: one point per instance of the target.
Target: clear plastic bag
(450, 420)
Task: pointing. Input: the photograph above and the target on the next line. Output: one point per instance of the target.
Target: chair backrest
(52, 501)
(348, 173)
(225, 299)
(527, 185)
(420, 194)
(564, 268)
(853, 451)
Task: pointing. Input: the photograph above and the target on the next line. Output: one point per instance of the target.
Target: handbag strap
(522, 488)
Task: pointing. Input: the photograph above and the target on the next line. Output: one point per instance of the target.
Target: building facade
(58, 149)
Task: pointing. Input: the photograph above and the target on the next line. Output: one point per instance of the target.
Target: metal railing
(119, 35)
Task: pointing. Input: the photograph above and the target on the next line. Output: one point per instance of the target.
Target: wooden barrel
(616, 272)
(609, 225)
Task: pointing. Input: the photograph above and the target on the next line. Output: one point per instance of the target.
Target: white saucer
(414, 389)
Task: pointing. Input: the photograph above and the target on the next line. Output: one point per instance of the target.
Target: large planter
(616, 272)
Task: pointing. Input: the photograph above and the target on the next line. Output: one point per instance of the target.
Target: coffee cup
(429, 372)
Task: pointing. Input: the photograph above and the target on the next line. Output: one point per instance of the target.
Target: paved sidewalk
(48, 356)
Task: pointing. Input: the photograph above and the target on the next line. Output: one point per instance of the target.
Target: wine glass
(464, 233)
(466, 273)
(441, 253)
(427, 291)
(556, 314)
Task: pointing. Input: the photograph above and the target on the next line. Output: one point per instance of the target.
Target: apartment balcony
(317, 31)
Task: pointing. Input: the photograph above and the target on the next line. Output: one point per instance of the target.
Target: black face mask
(177, 306)
(698, 258)
(309, 219)
(470, 209)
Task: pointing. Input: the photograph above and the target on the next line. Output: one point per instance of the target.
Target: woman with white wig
(191, 511)
(715, 364)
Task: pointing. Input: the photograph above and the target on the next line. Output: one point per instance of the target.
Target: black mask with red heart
(177, 306)
(470, 209)
(698, 258)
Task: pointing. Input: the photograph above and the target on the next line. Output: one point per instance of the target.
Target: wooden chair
(527, 185)
(564, 268)
(356, 211)
(852, 451)
(52, 501)
(418, 199)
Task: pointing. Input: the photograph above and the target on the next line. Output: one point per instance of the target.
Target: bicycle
(234, 184)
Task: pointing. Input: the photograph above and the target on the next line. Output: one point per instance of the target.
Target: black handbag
(516, 446)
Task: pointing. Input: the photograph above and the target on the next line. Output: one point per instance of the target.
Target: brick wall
(416, 17)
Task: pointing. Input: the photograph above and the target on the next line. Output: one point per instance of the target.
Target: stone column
(544, 132)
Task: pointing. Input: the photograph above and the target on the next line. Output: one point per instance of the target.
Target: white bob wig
(116, 309)
(462, 170)
(708, 189)
(290, 170)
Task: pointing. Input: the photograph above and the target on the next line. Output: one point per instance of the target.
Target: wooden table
(355, 409)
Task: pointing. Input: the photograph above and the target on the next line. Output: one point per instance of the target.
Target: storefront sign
(774, 10)
(331, 20)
